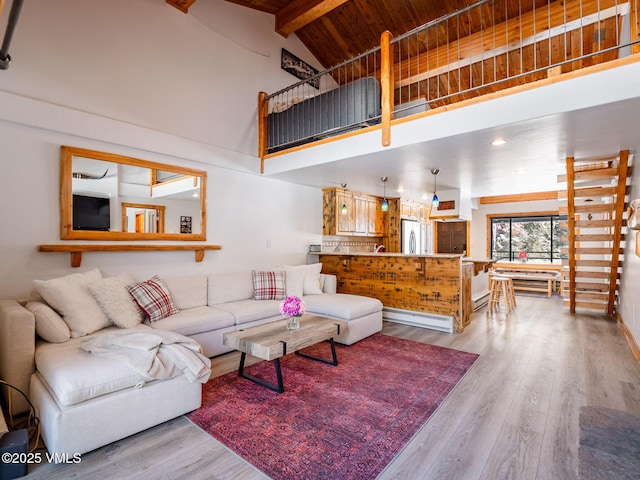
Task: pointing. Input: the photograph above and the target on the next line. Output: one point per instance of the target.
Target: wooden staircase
(596, 189)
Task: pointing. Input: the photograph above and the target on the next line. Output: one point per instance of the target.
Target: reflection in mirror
(112, 197)
(140, 218)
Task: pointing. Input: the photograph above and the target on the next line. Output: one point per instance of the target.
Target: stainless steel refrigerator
(412, 237)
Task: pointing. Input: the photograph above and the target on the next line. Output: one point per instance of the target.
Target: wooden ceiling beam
(299, 13)
(182, 5)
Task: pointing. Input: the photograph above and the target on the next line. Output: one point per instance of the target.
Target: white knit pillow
(115, 300)
(70, 297)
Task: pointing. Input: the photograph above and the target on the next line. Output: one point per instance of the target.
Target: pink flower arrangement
(293, 307)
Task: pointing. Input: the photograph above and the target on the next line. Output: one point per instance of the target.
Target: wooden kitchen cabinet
(409, 210)
(376, 224)
(415, 210)
(425, 213)
(363, 216)
(361, 213)
(345, 220)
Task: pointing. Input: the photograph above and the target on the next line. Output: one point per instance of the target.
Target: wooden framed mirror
(98, 191)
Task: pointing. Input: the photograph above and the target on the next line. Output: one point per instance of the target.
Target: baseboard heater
(432, 321)
(480, 300)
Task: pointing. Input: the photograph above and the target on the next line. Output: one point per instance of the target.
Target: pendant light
(434, 201)
(343, 209)
(385, 203)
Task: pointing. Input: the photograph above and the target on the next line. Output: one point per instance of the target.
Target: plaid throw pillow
(268, 285)
(153, 298)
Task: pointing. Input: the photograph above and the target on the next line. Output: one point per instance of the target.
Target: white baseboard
(419, 319)
(480, 300)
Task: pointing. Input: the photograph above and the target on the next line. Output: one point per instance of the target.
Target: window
(535, 239)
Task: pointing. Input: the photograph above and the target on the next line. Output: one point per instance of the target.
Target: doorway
(452, 237)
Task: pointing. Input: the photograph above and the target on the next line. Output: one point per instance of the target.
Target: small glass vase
(293, 323)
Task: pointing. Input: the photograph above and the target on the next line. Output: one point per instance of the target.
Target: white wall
(139, 78)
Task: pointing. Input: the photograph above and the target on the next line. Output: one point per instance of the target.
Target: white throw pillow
(303, 279)
(187, 292)
(49, 325)
(70, 297)
(312, 284)
(115, 300)
(294, 279)
(229, 287)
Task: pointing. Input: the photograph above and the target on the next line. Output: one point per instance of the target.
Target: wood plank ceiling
(336, 30)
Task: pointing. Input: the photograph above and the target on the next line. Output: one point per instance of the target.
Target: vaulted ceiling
(336, 30)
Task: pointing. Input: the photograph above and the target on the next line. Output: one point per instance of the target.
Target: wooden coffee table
(272, 341)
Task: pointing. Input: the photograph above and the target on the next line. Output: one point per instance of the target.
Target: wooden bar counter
(431, 284)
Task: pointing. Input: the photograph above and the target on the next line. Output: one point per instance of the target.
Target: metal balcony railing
(488, 46)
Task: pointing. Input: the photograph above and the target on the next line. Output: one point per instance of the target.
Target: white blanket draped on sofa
(160, 354)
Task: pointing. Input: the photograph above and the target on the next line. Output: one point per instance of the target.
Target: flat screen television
(91, 213)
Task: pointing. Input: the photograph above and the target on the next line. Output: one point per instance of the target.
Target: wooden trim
(76, 250)
(182, 5)
(631, 341)
(523, 214)
(634, 18)
(66, 198)
(617, 229)
(386, 83)
(323, 141)
(143, 206)
(300, 13)
(521, 197)
(263, 128)
(571, 227)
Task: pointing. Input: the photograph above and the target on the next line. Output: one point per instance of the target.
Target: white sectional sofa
(85, 401)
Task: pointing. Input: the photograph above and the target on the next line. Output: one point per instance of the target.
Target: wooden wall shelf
(76, 250)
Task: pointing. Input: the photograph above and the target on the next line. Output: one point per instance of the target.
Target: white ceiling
(585, 116)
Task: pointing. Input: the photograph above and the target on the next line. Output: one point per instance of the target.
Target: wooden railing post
(263, 112)
(634, 18)
(386, 84)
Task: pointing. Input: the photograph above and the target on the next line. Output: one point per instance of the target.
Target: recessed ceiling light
(498, 141)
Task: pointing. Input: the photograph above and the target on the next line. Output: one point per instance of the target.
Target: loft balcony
(486, 50)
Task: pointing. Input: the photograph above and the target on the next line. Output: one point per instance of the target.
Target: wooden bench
(534, 281)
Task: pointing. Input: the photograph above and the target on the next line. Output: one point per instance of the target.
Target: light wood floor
(514, 415)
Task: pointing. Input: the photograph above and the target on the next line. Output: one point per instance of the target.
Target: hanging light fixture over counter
(385, 203)
(434, 201)
(343, 209)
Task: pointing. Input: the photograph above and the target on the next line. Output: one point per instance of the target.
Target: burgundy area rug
(346, 421)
